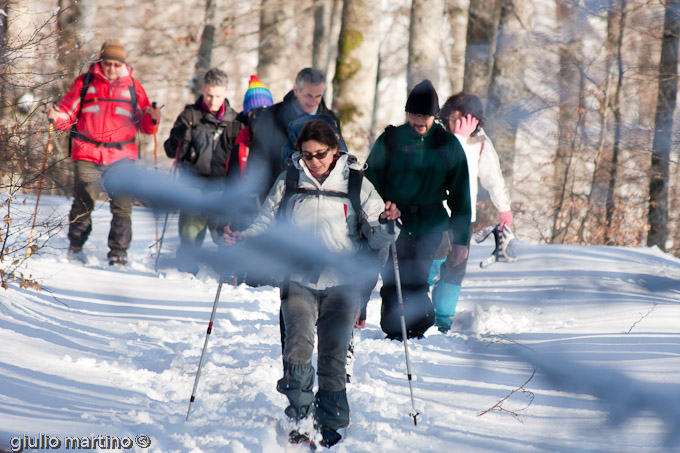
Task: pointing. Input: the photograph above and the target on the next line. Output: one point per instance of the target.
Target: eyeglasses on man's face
(418, 116)
(110, 63)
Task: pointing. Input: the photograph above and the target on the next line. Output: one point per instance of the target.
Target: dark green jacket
(419, 174)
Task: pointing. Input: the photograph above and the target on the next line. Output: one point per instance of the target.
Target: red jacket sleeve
(70, 104)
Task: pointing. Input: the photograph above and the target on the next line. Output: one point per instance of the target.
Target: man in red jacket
(104, 108)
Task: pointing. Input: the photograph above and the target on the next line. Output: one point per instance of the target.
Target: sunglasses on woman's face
(318, 156)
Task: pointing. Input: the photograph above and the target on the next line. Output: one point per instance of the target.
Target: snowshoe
(505, 246)
(299, 437)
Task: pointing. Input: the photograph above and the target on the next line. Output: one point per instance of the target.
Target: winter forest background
(580, 95)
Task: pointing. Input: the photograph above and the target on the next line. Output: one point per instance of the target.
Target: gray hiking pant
(87, 185)
(333, 311)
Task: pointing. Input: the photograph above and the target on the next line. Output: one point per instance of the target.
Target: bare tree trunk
(657, 217)
(457, 12)
(204, 60)
(599, 225)
(274, 53)
(322, 28)
(356, 71)
(376, 101)
(324, 46)
(425, 43)
(506, 91)
(75, 27)
(483, 18)
(615, 29)
(570, 116)
(4, 63)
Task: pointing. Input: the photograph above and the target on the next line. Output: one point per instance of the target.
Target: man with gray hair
(202, 142)
(270, 126)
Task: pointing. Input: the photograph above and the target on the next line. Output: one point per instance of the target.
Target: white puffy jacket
(483, 163)
(330, 219)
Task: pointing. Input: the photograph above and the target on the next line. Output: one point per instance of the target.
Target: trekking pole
(159, 242)
(40, 183)
(400, 298)
(205, 346)
(155, 163)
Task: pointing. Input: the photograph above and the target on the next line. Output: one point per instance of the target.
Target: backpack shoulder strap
(83, 92)
(390, 147)
(440, 140)
(354, 194)
(133, 96)
(292, 178)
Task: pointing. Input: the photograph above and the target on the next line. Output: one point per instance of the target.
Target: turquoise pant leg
(434, 271)
(445, 298)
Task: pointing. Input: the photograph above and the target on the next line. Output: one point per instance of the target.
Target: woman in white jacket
(463, 115)
(325, 298)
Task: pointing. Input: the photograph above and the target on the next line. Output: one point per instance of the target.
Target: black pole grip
(390, 226)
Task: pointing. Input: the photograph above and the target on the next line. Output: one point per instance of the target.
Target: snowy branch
(499, 405)
(642, 317)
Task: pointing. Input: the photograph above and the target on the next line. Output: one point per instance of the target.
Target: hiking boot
(118, 258)
(330, 437)
(76, 254)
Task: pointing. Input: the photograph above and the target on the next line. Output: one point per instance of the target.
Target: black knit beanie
(423, 99)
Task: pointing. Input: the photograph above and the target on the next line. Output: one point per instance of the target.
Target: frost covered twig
(642, 317)
(499, 405)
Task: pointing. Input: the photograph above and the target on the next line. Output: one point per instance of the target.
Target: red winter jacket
(108, 122)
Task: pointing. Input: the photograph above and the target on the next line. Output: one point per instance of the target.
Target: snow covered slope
(570, 349)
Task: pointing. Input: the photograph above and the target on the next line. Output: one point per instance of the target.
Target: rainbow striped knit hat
(257, 95)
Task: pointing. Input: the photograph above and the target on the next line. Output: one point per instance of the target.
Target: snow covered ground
(570, 349)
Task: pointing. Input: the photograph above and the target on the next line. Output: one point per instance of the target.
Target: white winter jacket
(330, 219)
(483, 163)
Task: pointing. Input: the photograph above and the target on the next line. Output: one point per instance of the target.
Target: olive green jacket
(420, 173)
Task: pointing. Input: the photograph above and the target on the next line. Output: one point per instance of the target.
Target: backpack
(353, 192)
(294, 129)
(229, 131)
(354, 195)
(73, 133)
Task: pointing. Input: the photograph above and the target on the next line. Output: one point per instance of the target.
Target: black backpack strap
(353, 188)
(390, 147)
(292, 178)
(83, 92)
(440, 141)
(133, 96)
(354, 194)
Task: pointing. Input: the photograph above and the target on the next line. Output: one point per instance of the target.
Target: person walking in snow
(104, 108)
(418, 165)
(203, 143)
(323, 297)
(256, 98)
(463, 115)
(270, 126)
